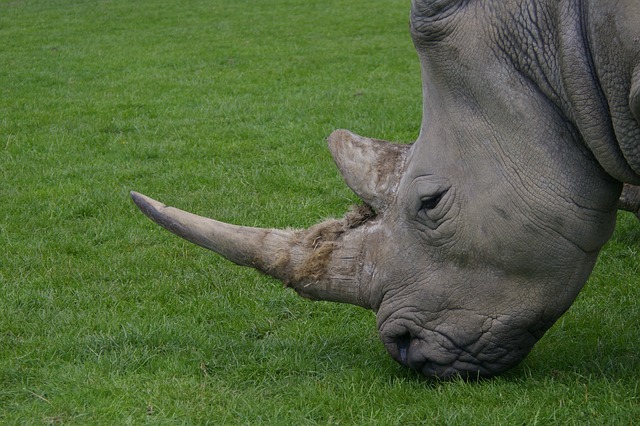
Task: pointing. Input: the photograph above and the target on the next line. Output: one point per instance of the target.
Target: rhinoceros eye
(428, 200)
(431, 210)
(431, 202)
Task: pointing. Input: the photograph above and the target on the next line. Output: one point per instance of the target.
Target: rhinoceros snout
(408, 352)
(428, 356)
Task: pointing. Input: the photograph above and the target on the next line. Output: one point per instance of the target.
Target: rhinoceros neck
(553, 49)
(613, 36)
(589, 107)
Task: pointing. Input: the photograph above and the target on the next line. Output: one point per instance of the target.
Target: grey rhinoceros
(477, 237)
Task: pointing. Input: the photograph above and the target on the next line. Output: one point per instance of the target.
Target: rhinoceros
(472, 241)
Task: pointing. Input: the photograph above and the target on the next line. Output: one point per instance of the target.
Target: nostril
(402, 343)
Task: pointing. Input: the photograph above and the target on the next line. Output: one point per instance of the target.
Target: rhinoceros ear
(371, 168)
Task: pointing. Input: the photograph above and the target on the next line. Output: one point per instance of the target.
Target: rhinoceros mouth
(437, 355)
(410, 352)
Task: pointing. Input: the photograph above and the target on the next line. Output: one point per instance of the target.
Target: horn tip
(135, 195)
(138, 198)
(147, 205)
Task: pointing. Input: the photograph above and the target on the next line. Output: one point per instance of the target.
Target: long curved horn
(244, 246)
(318, 263)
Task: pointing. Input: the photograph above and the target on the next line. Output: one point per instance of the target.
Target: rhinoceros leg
(630, 199)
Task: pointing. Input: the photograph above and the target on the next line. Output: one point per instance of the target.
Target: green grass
(222, 108)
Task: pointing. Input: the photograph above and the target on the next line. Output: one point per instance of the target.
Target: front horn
(321, 263)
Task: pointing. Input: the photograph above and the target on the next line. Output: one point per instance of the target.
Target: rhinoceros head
(477, 237)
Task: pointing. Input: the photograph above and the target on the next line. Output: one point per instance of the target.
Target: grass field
(222, 108)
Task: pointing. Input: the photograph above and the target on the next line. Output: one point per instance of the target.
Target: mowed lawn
(222, 108)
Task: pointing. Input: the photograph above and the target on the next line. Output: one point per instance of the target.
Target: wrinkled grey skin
(487, 227)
